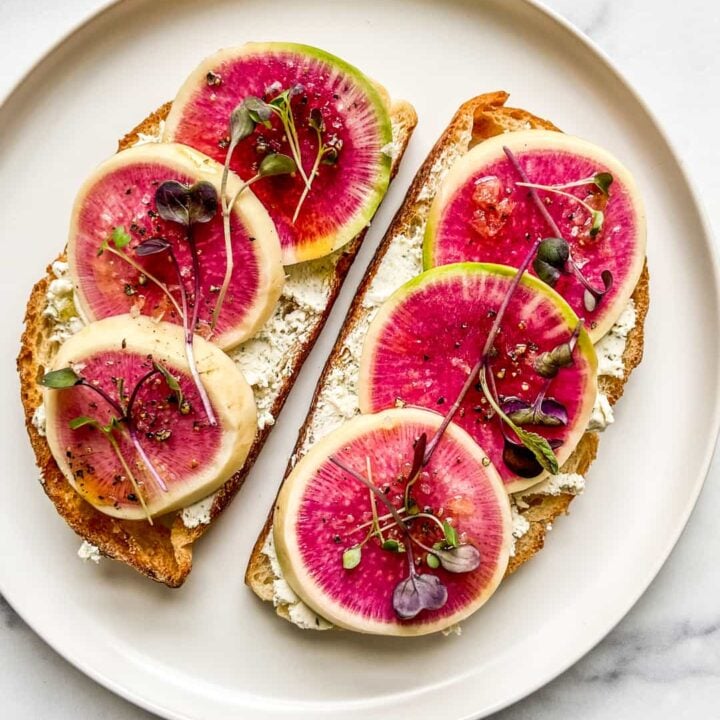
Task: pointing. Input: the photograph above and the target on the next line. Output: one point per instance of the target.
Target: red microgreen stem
(540, 205)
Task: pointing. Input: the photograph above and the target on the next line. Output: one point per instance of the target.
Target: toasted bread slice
(163, 551)
(476, 120)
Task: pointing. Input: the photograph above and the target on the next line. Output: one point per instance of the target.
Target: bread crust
(481, 117)
(162, 551)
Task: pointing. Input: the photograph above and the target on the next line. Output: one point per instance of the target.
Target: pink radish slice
(121, 194)
(320, 508)
(427, 336)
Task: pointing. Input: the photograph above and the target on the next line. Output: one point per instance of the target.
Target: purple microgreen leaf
(417, 593)
(120, 237)
(351, 557)
(520, 460)
(60, 379)
(152, 246)
(460, 559)
(173, 202)
(539, 447)
(603, 180)
(546, 412)
(276, 164)
(202, 202)
(418, 457)
(315, 121)
(259, 111)
(592, 297)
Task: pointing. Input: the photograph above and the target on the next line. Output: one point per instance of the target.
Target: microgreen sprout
(418, 591)
(597, 216)
(592, 296)
(111, 245)
(327, 153)
(124, 417)
(186, 206)
(271, 165)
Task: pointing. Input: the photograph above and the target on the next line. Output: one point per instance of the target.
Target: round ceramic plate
(211, 649)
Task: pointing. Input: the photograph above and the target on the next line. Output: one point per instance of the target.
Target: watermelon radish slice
(481, 214)
(118, 201)
(322, 511)
(192, 458)
(344, 195)
(426, 337)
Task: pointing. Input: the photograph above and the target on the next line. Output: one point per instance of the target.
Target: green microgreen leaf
(61, 379)
(172, 382)
(603, 180)
(539, 447)
(393, 546)
(83, 421)
(598, 218)
(547, 364)
(351, 557)
(276, 164)
(432, 561)
(242, 124)
(315, 121)
(451, 536)
(120, 237)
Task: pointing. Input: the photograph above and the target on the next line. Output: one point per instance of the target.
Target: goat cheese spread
(88, 551)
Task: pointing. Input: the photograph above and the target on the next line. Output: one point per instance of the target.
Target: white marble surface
(663, 659)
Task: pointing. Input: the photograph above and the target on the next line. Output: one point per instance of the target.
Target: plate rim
(698, 207)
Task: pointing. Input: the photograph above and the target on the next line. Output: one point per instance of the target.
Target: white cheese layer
(88, 551)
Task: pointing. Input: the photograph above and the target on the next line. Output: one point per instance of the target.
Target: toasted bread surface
(476, 120)
(163, 551)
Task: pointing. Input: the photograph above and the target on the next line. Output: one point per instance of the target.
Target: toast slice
(476, 120)
(163, 551)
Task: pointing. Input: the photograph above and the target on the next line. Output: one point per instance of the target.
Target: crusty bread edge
(162, 552)
(486, 116)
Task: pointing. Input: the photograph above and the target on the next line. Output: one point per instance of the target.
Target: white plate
(211, 650)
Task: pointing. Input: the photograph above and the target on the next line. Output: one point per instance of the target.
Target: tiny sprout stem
(378, 494)
(146, 460)
(288, 123)
(546, 215)
(381, 518)
(487, 348)
(189, 347)
(227, 208)
(133, 432)
(114, 444)
(149, 276)
(313, 172)
(373, 503)
(115, 405)
(557, 191)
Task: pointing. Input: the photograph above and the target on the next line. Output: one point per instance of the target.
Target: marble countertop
(663, 660)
